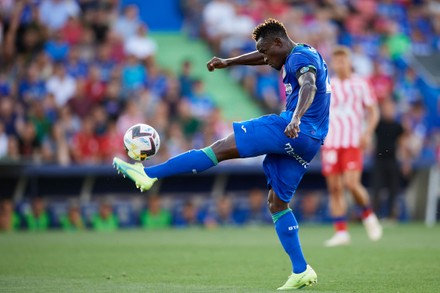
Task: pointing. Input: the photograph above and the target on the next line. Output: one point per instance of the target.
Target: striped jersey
(350, 98)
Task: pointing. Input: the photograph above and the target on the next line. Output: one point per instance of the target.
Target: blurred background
(75, 74)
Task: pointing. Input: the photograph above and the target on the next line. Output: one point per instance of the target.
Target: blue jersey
(302, 59)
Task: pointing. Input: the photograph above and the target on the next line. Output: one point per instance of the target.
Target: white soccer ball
(141, 141)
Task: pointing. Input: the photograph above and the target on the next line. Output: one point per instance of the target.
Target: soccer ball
(141, 141)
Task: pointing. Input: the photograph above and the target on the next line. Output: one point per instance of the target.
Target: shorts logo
(244, 128)
(293, 228)
(291, 152)
(352, 165)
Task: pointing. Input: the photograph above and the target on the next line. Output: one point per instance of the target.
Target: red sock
(366, 211)
(340, 225)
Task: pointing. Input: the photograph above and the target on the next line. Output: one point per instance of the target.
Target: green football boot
(135, 172)
(298, 281)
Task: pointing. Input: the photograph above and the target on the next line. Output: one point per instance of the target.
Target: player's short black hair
(270, 27)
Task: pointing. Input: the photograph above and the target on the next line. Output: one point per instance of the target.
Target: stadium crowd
(381, 33)
(75, 74)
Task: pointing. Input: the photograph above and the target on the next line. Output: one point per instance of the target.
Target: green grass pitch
(219, 260)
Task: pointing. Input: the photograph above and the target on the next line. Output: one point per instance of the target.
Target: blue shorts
(286, 159)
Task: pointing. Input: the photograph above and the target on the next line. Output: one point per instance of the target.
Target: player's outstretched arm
(252, 58)
(306, 95)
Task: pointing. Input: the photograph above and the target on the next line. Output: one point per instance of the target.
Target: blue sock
(194, 161)
(287, 230)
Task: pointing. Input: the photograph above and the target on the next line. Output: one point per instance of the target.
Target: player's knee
(275, 204)
(225, 149)
(335, 189)
(351, 185)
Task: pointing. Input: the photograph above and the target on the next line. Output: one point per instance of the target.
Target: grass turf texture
(221, 260)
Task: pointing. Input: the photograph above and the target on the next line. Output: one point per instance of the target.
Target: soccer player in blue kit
(289, 140)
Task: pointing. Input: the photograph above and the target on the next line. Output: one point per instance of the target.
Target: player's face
(272, 51)
(341, 64)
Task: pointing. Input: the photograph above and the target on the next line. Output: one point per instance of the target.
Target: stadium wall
(86, 182)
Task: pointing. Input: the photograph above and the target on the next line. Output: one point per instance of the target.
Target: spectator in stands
(176, 142)
(55, 13)
(37, 219)
(188, 216)
(236, 33)
(55, 147)
(221, 214)
(266, 88)
(85, 144)
(79, 105)
(76, 67)
(414, 121)
(61, 85)
(3, 142)
(140, 45)
(94, 87)
(397, 42)
(72, 31)
(99, 23)
(126, 24)
(57, 48)
(73, 220)
(11, 118)
(28, 143)
(32, 87)
(110, 142)
(9, 220)
(381, 82)
(69, 124)
(362, 64)
(105, 220)
(87, 45)
(130, 116)
(200, 101)
(157, 81)
(5, 85)
(112, 99)
(155, 217)
(390, 136)
(105, 62)
(257, 213)
(214, 128)
(134, 75)
(45, 66)
(190, 124)
(215, 14)
(193, 11)
(308, 205)
(186, 79)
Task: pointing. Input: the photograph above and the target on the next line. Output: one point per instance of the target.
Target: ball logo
(141, 141)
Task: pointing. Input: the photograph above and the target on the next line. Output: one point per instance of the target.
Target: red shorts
(337, 161)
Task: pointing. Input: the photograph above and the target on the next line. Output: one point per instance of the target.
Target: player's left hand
(292, 130)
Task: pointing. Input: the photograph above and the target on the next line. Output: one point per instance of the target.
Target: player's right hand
(216, 63)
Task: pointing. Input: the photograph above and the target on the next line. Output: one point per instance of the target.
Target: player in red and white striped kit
(353, 118)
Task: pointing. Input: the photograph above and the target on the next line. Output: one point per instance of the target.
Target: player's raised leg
(193, 161)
